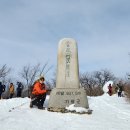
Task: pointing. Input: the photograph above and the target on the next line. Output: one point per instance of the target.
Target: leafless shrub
(127, 91)
(94, 91)
(87, 80)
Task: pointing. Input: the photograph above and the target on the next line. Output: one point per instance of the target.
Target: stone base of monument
(60, 98)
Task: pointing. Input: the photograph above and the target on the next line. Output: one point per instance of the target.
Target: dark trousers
(119, 94)
(38, 100)
(0, 95)
(19, 93)
(11, 95)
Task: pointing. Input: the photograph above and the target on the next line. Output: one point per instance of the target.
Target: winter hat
(41, 78)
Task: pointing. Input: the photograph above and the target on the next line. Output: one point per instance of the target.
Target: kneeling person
(38, 94)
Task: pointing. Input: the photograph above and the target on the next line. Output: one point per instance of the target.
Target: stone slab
(64, 97)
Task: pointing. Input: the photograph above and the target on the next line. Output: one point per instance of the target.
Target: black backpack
(31, 89)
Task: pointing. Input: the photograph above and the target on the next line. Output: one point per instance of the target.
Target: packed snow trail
(109, 113)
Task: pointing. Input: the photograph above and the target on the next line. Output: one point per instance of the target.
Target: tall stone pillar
(67, 89)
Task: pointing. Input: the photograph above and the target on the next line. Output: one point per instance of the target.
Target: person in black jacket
(2, 89)
(19, 89)
(120, 89)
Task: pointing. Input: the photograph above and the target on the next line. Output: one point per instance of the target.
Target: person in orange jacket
(38, 94)
(11, 90)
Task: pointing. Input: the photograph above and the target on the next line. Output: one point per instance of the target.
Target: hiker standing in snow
(38, 93)
(11, 90)
(19, 89)
(110, 89)
(2, 89)
(120, 89)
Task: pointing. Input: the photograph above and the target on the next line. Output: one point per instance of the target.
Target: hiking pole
(13, 108)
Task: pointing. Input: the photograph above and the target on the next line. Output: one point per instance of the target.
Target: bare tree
(93, 82)
(90, 84)
(45, 69)
(86, 80)
(108, 75)
(4, 71)
(103, 76)
(30, 73)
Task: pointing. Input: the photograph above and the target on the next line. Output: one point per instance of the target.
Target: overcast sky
(31, 29)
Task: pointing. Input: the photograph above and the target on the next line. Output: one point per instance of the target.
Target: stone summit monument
(67, 89)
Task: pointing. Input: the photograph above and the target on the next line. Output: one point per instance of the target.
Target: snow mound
(105, 87)
(72, 108)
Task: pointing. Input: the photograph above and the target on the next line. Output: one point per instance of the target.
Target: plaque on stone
(67, 89)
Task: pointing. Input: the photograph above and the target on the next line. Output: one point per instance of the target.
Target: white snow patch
(76, 109)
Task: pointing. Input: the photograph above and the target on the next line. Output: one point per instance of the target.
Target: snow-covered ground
(109, 113)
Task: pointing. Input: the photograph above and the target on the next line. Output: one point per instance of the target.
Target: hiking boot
(41, 107)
